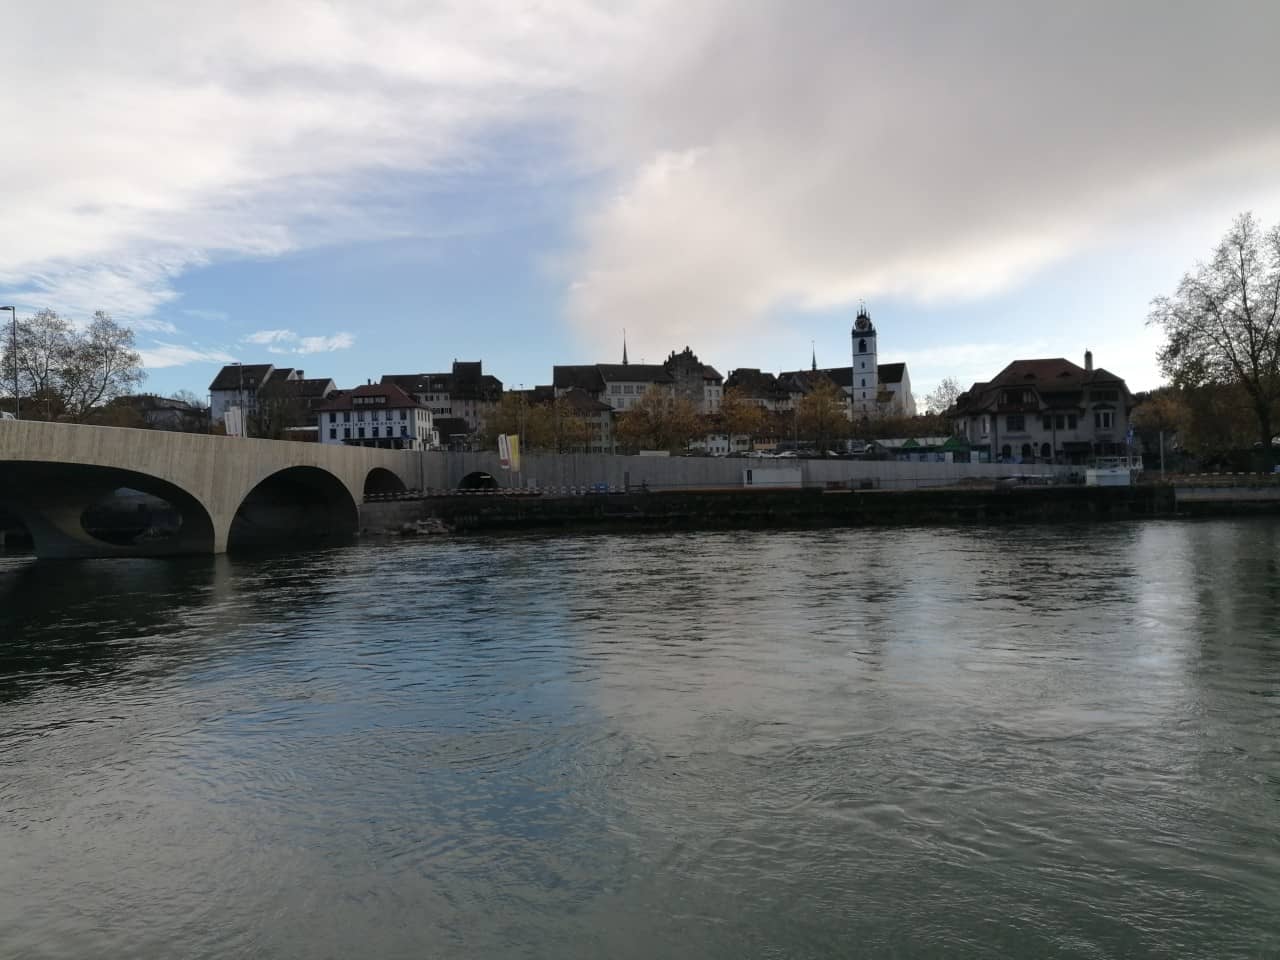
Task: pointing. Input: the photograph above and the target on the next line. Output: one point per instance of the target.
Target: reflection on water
(971, 742)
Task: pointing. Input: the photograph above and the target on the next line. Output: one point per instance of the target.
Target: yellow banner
(514, 443)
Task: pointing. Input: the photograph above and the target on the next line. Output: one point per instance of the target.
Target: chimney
(1088, 360)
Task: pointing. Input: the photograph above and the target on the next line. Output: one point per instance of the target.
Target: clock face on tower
(862, 323)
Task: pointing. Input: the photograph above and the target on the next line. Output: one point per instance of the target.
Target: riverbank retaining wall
(764, 508)
(547, 471)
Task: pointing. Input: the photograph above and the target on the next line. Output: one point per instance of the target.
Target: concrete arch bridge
(225, 491)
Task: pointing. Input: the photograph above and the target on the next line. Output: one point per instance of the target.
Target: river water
(970, 742)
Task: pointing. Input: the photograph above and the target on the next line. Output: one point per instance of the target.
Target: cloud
(168, 138)
(207, 316)
(176, 355)
(800, 157)
(339, 341)
(743, 159)
(286, 342)
(271, 336)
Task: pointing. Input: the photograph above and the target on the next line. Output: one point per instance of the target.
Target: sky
(361, 188)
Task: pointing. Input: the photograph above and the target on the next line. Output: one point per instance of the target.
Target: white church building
(874, 389)
(877, 389)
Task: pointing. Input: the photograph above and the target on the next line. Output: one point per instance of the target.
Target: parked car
(7, 416)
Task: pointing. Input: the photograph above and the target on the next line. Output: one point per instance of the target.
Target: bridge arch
(51, 499)
(380, 480)
(297, 506)
(478, 480)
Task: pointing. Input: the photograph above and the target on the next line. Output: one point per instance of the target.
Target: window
(346, 417)
(1071, 421)
(862, 346)
(1102, 419)
(333, 433)
(1016, 421)
(628, 388)
(864, 381)
(1048, 422)
(404, 414)
(360, 433)
(986, 424)
(1060, 421)
(346, 433)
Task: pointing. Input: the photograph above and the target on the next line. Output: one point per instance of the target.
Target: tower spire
(814, 348)
(624, 346)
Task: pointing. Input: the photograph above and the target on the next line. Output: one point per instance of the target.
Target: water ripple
(1039, 742)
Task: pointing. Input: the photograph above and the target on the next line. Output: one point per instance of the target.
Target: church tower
(864, 387)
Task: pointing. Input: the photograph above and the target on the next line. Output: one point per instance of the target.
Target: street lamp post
(17, 412)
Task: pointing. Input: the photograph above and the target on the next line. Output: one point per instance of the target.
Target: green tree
(1222, 325)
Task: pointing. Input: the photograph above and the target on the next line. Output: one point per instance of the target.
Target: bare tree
(1222, 323)
(943, 397)
(70, 372)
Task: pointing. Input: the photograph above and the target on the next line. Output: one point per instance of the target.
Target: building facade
(465, 393)
(619, 385)
(768, 391)
(1047, 410)
(237, 385)
(597, 416)
(377, 415)
(695, 381)
(287, 403)
(874, 390)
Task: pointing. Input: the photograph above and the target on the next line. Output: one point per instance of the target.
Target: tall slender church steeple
(864, 375)
(624, 346)
(814, 348)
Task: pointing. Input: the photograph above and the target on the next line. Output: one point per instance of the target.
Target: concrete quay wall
(711, 509)
(542, 471)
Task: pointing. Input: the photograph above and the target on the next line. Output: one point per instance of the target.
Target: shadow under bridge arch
(53, 500)
(295, 507)
(381, 482)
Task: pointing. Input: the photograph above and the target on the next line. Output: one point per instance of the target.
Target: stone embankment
(504, 511)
